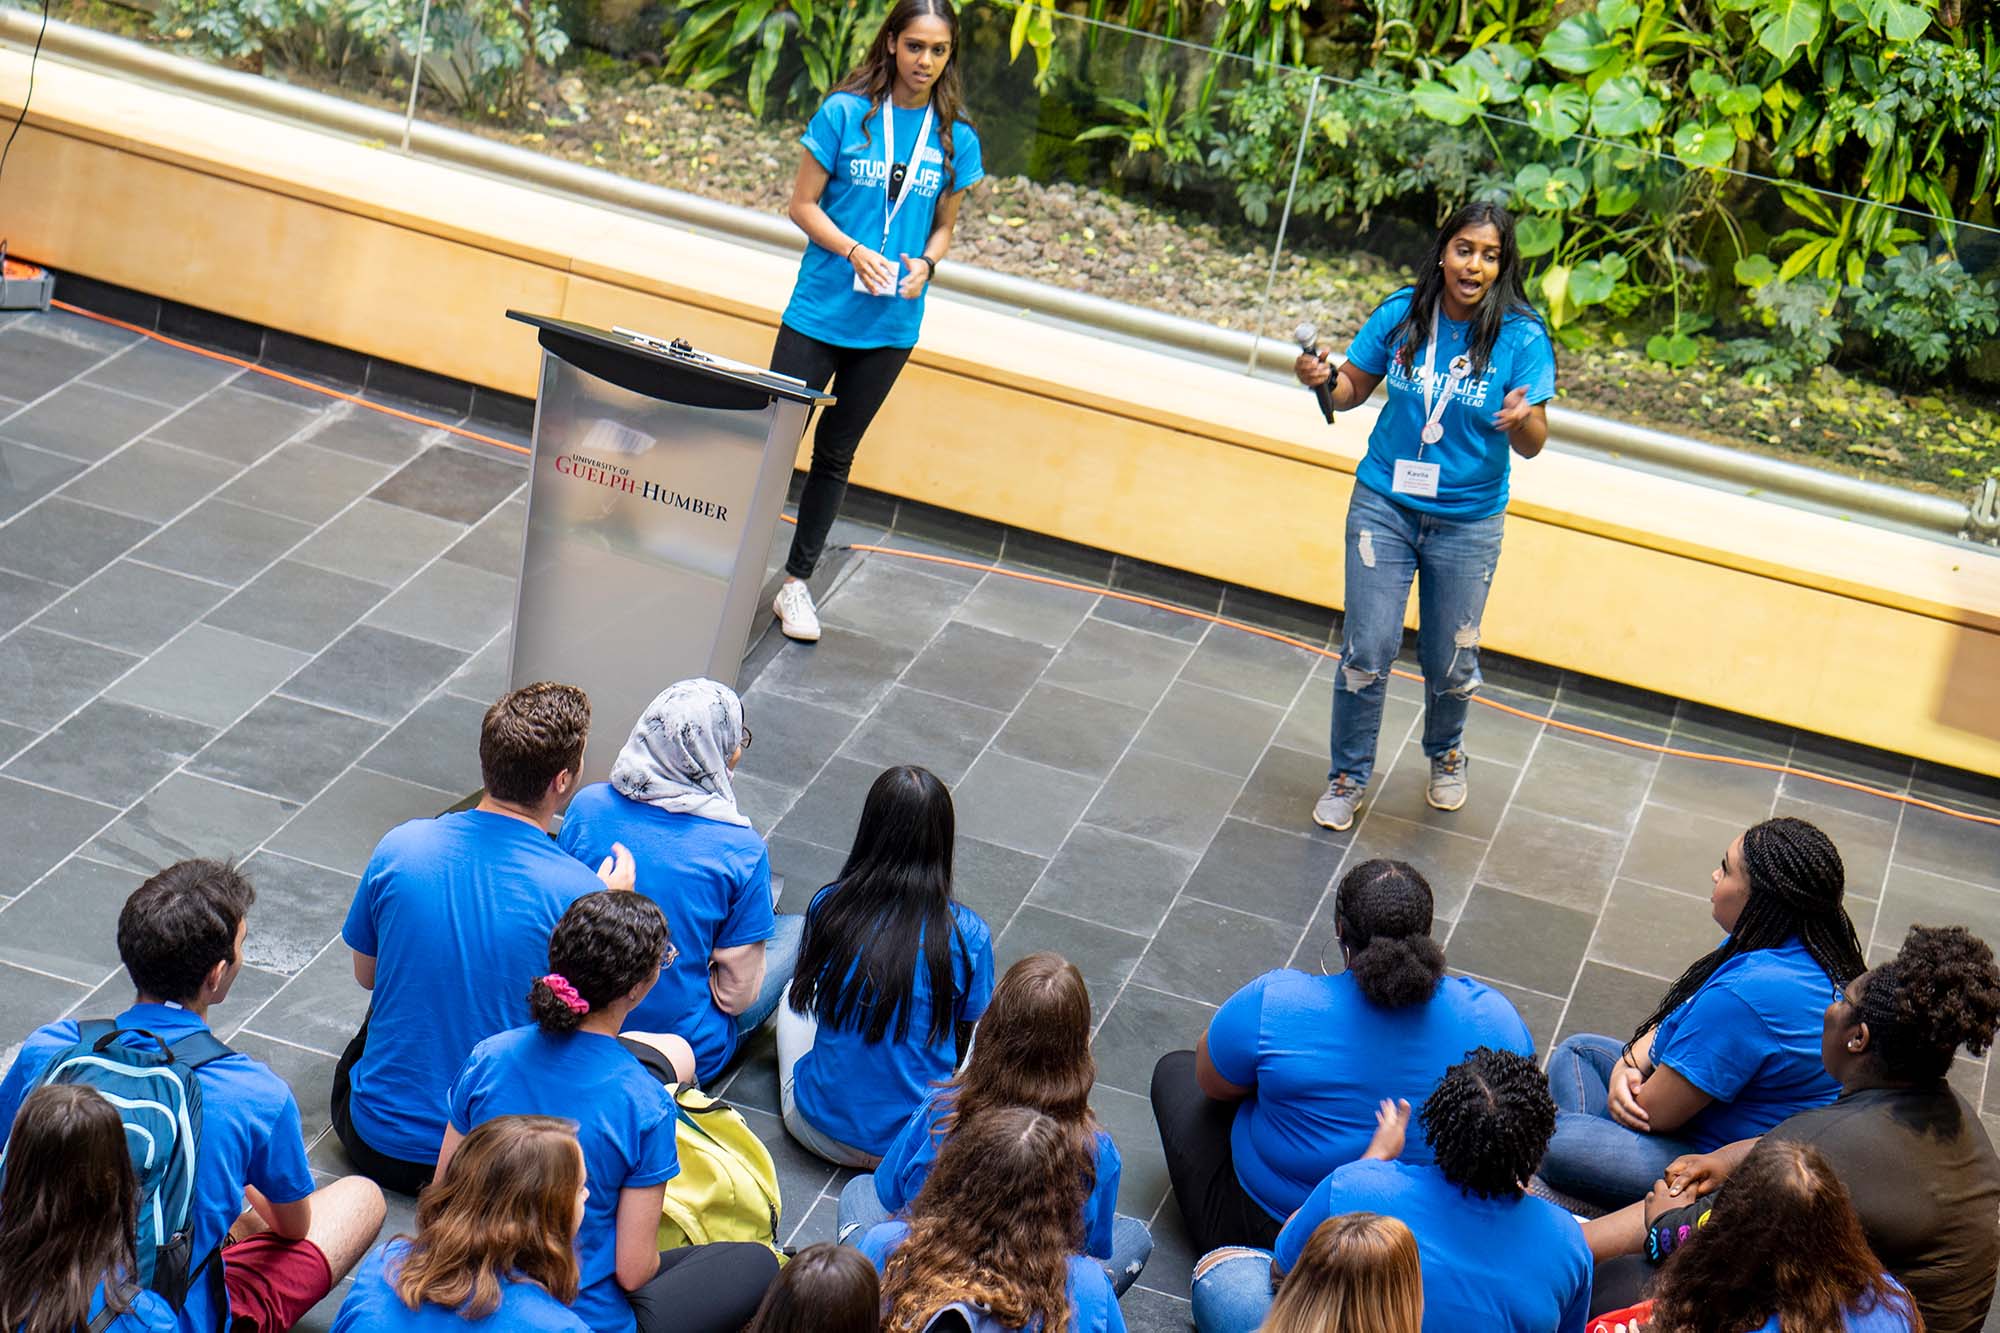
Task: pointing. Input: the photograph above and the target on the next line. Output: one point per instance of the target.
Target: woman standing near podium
(888, 159)
(1469, 365)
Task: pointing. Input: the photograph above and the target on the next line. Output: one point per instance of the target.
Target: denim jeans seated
(1131, 1241)
(781, 959)
(1232, 1290)
(1452, 561)
(1592, 1157)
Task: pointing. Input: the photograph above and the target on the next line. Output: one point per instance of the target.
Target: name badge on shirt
(1414, 478)
(866, 290)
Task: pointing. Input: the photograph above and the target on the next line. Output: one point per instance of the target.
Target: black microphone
(1308, 338)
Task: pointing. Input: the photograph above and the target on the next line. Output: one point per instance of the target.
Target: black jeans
(1194, 1135)
(712, 1288)
(861, 379)
(389, 1172)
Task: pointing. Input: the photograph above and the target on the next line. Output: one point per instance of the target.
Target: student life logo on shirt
(874, 172)
(1469, 393)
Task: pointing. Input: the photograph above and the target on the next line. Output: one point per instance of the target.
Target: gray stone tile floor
(237, 619)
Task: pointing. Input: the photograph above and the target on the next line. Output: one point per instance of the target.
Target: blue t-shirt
(372, 1306)
(712, 881)
(625, 1122)
(908, 1162)
(1882, 1318)
(1750, 1038)
(1472, 482)
(249, 1131)
(845, 137)
(1093, 1306)
(1320, 1057)
(1500, 1265)
(457, 913)
(859, 1093)
(149, 1313)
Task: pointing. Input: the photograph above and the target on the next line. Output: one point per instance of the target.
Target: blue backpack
(153, 1085)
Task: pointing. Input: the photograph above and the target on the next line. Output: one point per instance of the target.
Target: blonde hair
(1357, 1274)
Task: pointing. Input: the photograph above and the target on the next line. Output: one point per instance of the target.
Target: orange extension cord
(1571, 727)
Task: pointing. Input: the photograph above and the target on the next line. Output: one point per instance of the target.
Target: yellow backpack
(727, 1188)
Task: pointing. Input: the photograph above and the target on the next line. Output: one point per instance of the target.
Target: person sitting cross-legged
(180, 936)
(671, 800)
(449, 916)
(1032, 1048)
(1493, 1257)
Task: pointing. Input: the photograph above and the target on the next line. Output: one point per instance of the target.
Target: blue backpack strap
(200, 1048)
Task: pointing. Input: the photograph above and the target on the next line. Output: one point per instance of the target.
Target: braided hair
(606, 943)
(1489, 1121)
(1796, 883)
(1940, 992)
(1383, 915)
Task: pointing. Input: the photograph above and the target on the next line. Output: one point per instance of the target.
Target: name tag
(866, 290)
(1414, 478)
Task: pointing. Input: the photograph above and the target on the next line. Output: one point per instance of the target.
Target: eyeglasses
(746, 736)
(667, 959)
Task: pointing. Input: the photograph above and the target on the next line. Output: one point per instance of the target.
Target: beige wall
(1879, 638)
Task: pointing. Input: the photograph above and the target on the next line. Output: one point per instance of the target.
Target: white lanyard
(893, 206)
(1434, 400)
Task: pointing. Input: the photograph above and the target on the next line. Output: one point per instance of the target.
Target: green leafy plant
(1924, 314)
(1161, 130)
(1798, 311)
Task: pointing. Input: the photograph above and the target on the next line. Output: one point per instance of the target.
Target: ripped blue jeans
(1452, 562)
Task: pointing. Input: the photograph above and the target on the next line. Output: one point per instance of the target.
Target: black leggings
(1194, 1134)
(390, 1173)
(861, 378)
(712, 1288)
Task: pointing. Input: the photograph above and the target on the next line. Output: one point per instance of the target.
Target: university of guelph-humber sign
(614, 477)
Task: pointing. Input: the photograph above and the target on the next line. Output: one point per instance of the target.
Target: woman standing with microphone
(888, 159)
(1469, 365)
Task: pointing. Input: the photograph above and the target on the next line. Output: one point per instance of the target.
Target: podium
(658, 477)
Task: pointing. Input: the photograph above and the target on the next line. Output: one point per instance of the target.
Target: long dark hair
(995, 1224)
(876, 74)
(824, 1289)
(505, 1210)
(606, 943)
(1506, 298)
(69, 1206)
(1382, 913)
(889, 912)
(1033, 1048)
(1796, 883)
(1783, 1240)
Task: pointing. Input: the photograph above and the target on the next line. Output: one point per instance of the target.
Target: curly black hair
(1797, 884)
(606, 943)
(1382, 912)
(1940, 992)
(1489, 1122)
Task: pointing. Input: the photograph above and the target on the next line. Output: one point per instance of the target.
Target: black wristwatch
(931, 264)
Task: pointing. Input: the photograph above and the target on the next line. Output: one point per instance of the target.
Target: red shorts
(273, 1282)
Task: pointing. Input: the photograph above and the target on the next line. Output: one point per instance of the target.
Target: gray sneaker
(1447, 785)
(1335, 810)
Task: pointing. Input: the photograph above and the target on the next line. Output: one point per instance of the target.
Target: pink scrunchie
(565, 992)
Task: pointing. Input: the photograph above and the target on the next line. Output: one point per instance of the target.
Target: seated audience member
(604, 956)
(1282, 1088)
(1032, 1049)
(1493, 1257)
(998, 1228)
(1733, 1047)
(180, 936)
(1781, 1251)
(69, 1206)
(671, 801)
(1358, 1273)
(824, 1289)
(450, 914)
(494, 1241)
(1911, 1153)
(892, 973)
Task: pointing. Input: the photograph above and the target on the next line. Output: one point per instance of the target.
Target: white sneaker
(794, 608)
